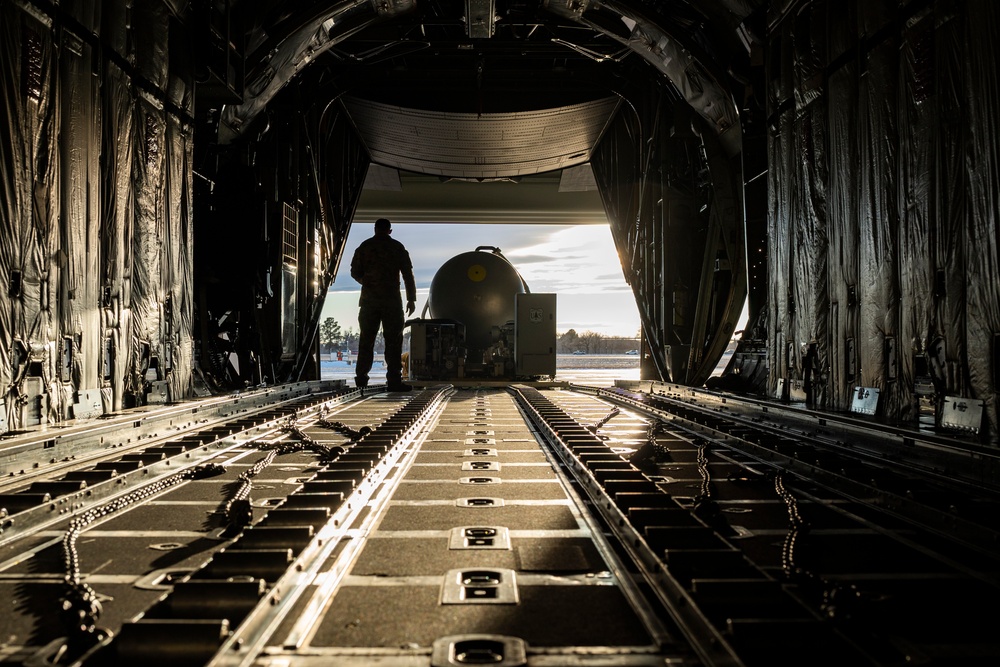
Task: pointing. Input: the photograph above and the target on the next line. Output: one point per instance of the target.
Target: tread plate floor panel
(393, 594)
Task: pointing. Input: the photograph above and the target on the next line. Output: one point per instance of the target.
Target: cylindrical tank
(477, 289)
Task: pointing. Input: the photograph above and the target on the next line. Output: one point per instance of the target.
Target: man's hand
(410, 307)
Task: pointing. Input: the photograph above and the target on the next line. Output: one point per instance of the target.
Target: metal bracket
(479, 537)
(481, 466)
(480, 451)
(479, 480)
(479, 502)
(495, 650)
(963, 414)
(865, 400)
(479, 586)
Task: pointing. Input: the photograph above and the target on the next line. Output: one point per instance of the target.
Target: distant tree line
(590, 342)
(332, 338)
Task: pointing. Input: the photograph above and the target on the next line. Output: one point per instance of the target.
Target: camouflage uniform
(378, 264)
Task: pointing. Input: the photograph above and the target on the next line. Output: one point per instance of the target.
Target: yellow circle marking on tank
(477, 273)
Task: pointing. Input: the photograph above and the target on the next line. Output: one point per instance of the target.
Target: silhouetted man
(378, 264)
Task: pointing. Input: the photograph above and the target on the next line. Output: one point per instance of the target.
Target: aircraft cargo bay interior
(794, 461)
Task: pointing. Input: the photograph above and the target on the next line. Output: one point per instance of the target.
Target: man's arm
(357, 272)
(410, 283)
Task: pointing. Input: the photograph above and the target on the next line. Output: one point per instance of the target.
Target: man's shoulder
(369, 244)
(385, 243)
(381, 248)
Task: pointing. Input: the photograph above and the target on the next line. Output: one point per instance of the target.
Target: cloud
(521, 260)
(616, 278)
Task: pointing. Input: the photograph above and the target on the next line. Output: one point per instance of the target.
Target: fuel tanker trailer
(482, 321)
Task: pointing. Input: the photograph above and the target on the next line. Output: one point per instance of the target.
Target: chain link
(652, 451)
(593, 428)
(796, 526)
(80, 605)
(837, 601)
(343, 429)
(239, 507)
(705, 488)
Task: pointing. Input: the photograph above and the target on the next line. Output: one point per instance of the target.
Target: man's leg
(392, 332)
(368, 321)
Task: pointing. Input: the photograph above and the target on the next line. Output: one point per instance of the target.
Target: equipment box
(535, 335)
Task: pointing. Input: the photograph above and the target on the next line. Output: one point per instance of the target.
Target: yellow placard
(477, 273)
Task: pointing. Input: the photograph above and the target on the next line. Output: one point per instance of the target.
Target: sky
(578, 263)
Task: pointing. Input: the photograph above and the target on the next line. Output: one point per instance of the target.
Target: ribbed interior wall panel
(95, 218)
(489, 145)
(883, 219)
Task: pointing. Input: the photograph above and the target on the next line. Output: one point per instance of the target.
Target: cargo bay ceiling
(626, 113)
(441, 61)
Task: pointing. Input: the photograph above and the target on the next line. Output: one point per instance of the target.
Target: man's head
(383, 226)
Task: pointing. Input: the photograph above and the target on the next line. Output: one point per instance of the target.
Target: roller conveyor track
(444, 534)
(483, 526)
(797, 544)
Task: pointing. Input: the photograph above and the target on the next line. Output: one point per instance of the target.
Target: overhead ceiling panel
(480, 146)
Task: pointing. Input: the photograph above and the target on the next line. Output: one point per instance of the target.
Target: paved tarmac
(599, 370)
